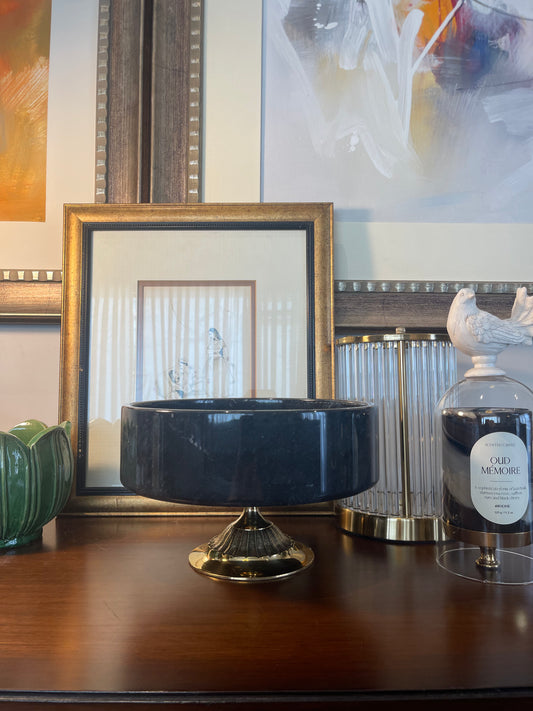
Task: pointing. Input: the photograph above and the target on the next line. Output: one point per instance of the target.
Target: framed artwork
(130, 84)
(386, 269)
(411, 119)
(401, 112)
(199, 300)
(24, 63)
(196, 339)
(47, 125)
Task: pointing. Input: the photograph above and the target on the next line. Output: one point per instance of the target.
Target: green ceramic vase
(36, 470)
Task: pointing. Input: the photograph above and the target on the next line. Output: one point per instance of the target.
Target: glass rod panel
(367, 369)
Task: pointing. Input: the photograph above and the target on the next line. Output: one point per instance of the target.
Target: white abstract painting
(401, 111)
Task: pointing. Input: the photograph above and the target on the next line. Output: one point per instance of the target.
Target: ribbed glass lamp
(403, 375)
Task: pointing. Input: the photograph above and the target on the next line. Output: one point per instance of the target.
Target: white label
(499, 477)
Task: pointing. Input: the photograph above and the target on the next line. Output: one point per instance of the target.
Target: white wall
(29, 374)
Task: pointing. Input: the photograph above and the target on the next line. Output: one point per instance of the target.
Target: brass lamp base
(251, 549)
(390, 528)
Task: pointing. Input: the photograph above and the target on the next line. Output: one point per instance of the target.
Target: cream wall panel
(29, 374)
(232, 101)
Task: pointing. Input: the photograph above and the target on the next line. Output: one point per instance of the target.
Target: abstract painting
(24, 62)
(401, 110)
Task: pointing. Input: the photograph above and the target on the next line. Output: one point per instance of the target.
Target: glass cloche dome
(484, 439)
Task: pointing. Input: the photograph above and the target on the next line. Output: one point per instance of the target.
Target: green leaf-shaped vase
(36, 470)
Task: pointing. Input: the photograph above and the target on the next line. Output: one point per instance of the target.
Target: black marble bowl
(247, 451)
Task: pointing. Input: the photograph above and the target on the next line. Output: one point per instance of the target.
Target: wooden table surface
(107, 610)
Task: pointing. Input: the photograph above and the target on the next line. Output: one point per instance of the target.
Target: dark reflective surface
(249, 451)
(104, 605)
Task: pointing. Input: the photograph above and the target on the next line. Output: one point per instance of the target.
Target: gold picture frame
(104, 244)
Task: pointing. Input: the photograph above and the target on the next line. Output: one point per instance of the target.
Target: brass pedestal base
(391, 528)
(251, 549)
(488, 543)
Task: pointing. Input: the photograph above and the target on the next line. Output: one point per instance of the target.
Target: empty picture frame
(197, 300)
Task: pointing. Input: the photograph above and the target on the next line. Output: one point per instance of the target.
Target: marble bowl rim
(214, 405)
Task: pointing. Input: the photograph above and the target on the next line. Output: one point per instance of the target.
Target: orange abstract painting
(24, 62)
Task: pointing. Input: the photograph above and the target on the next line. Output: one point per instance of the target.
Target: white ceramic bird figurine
(482, 335)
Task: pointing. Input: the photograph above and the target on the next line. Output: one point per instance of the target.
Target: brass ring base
(251, 570)
(251, 550)
(391, 528)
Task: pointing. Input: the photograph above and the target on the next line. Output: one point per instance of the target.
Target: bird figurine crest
(482, 335)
